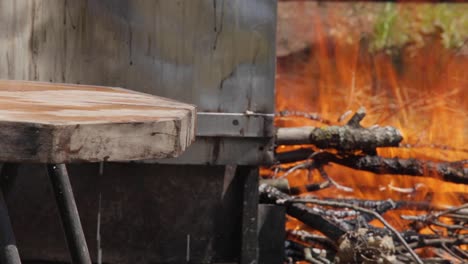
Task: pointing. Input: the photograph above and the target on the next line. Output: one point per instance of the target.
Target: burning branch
(433, 218)
(449, 171)
(312, 238)
(304, 213)
(311, 116)
(363, 210)
(350, 239)
(346, 223)
(351, 136)
(316, 219)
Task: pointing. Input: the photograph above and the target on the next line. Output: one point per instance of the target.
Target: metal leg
(69, 213)
(9, 172)
(249, 247)
(9, 253)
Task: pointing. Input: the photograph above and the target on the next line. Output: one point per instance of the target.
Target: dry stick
(364, 210)
(344, 138)
(325, 176)
(438, 242)
(349, 137)
(452, 210)
(304, 165)
(283, 185)
(293, 155)
(313, 238)
(433, 146)
(449, 171)
(309, 187)
(461, 252)
(431, 219)
(444, 246)
(440, 252)
(304, 213)
(356, 119)
(311, 116)
(398, 204)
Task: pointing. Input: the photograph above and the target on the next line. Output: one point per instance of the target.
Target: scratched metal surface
(216, 54)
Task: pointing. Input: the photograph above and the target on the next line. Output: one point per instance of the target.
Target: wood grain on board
(55, 123)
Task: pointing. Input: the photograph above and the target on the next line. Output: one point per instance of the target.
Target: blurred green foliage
(398, 25)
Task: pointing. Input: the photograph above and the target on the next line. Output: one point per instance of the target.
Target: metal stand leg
(69, 213)
(249, 246)
(9, 253)
(8, 250)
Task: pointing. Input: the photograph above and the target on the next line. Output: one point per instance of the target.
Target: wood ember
(344, 138)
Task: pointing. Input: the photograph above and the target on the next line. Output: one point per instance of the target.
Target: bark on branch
(351, 136)
(344, 138)
(456, 172)
(447, 171)
(302, 212)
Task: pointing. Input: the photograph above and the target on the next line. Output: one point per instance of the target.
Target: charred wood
(283, 185)
(438, 242)
(293, 250)
(313, 238)
(307, 215)
(395, 233)
(299, 252)
(449, 171)
(294, 155)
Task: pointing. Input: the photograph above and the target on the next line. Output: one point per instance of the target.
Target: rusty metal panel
(216, 54)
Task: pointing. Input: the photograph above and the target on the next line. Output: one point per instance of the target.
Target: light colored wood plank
(45, 122)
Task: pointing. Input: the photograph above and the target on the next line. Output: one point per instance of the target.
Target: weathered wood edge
(47, 143)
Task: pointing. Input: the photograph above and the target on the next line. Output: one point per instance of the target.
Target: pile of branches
(355, 147)
(345, 234)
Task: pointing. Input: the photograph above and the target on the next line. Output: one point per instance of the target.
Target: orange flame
(422, 90)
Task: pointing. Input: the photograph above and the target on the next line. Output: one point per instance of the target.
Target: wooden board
(55, 123)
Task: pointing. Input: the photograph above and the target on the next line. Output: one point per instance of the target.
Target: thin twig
(325, 176)
(304, 165)
(444, 246)
(451, 210)
(364, 210)
(311, 116)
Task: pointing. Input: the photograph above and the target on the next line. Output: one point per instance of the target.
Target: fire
(419, 87)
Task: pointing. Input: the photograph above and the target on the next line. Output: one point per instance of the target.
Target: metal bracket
(247, 124)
